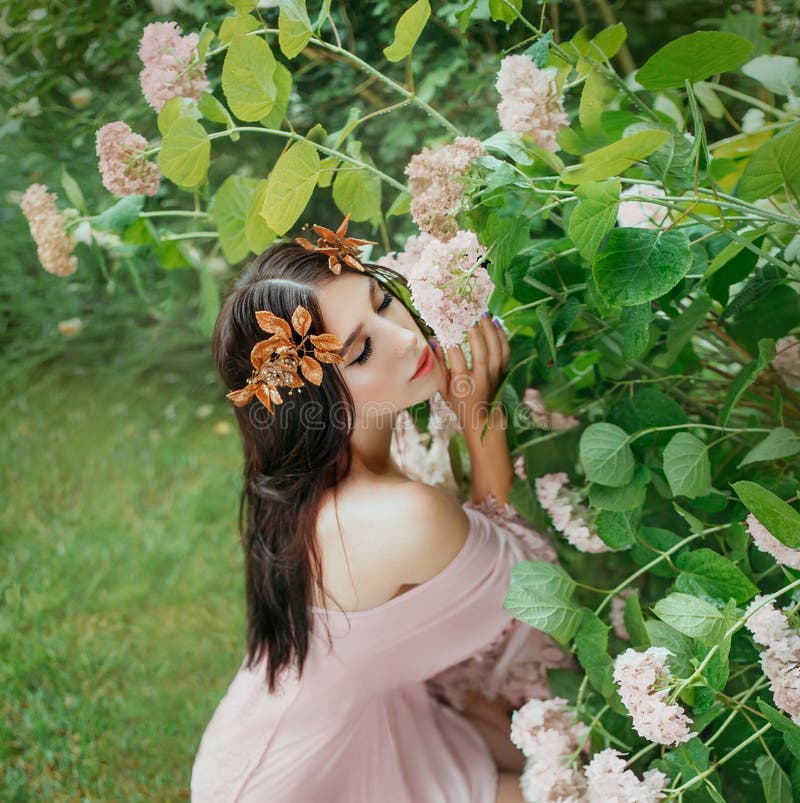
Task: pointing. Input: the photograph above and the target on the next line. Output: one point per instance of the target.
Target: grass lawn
(121, 595)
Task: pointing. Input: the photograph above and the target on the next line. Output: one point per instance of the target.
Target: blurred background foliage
(120, 465)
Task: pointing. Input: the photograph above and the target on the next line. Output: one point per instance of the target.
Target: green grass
(121, 595)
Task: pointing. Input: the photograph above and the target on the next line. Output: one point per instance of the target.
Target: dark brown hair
(292, 455)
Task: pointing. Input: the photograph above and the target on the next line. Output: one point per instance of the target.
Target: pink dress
(377, 717)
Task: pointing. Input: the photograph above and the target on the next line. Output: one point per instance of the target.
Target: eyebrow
(373, 284)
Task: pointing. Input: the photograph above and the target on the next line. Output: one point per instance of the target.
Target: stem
(173, 213)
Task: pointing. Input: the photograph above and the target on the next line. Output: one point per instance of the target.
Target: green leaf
(606, 455)
(610, 39)
(73, 190)
(401, 205)
(283, 89)
(775, 165)
(624, 498)
(692, 58)
(121, 215)
(185, 153)
(615, 529)
(540, 49)
(781, 519)
(790, 731)
(777, 787)
(639, 265)
(779, 74)
(248, 78)
(243, 6)
(357, 191)
(504, 11)
(652, 542)
(687, 466)
(612, 160)
(781, 442)
(681, 330)
(256, 232)
(713, 574)
(634, 326)
(407, 31)
(290, 186)
(662, 635)
(746, 377)
(229, 212)
(634, 621)
(236, 26)
(693, 617)
(541, 596)
(294, 27)
(591, 644)
(594, 216)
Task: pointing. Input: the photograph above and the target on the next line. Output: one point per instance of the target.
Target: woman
(408, 582)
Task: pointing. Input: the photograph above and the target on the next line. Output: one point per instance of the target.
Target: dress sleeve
(446, 619)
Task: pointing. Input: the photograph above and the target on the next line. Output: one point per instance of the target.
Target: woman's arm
(492, 469)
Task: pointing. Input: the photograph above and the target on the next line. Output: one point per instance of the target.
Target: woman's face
(383, 345)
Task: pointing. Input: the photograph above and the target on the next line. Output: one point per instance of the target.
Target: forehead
(343, 301)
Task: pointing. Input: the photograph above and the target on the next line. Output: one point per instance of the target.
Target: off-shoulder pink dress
(377, 717)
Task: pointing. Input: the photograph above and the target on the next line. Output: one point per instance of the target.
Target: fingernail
(432, 343)
(485, 314)
(496, 322)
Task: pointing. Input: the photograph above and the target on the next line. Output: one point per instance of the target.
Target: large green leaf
(706, 571)
(357, 191)
(624, 498)
(748, 374)
(687, 466)
(612, 160)
(290, 186)
(294, 27)
(591, 645)
(185, 153)
(777, 787)
(637, 265)
(606, 455)
(781, 442)
(693, 57)
(781, 519)
(693, 617)
(594, 216)
(229, 211)
(407, 31)
(256, 231)
(248, 78)
(775, 165)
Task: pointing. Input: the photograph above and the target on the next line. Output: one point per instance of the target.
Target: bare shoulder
(426, 530)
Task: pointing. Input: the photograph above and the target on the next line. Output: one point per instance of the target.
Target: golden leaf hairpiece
(277, 362)
(337, 246)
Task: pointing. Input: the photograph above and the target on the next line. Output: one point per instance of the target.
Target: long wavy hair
(292, 455)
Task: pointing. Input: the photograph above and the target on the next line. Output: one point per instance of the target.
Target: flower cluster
(449, 286)
(570, 517)
(768, 543)
(530, 103)
(546, 734)
(640, 214)
(123, 169)
(781, 658)
(637, 674)
(171, 67)
(436, 189)
(49, 231)
(544, 418)
(609, 782)
(787, 361)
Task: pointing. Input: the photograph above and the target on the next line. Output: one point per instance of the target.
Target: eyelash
(387, 299)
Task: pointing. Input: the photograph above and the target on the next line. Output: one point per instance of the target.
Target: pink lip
(425, 363)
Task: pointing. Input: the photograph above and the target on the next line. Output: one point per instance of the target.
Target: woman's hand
(469, 391)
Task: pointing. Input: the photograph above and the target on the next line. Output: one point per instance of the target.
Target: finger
(438, 355)
(458, 362)
(505, 346)
(477, 346)
(493, 348)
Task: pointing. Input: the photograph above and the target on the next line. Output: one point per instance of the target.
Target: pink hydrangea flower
(436, 191)
(49, 231)
(768, 543)
(640, 214)
(609, 782)
(638, 674)
(780, 661)
(449, 287)
(422, 456)
(617, 613)
(171, 68)
(519, 467)
(122, 168)
(530, 103)
(570, 517)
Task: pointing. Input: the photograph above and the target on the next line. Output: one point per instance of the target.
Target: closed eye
(364, 356)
